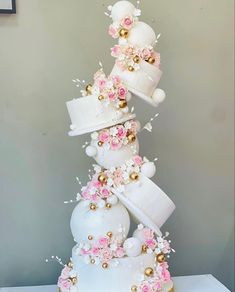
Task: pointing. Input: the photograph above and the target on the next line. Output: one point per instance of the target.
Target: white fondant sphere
(97, 223)
(113, 158)
(158, 95)
(121, 9)
(132, 246)
(139, 235)
(142, 35)
(148, 169)
(91, 151)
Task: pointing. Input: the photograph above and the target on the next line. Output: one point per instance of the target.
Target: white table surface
(201, 283)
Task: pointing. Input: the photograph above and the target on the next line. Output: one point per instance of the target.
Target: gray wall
(44, 46)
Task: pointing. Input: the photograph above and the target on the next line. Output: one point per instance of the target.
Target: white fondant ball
(91, 151)
(158, 95)
(148, 169)
(121, 9)
(132, 247)
(139, 235)
(142, 35)
(86, 222)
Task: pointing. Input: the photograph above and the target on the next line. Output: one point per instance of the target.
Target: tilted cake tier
(111, 147)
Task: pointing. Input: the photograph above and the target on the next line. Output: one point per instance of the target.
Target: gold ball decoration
(90, 237)
(92, 207)
(92, 261)
(172, 290)
(148, 272)
(131, 68)
(134, 288)
(73, 280)
(102, 178)
(100, 143)
(122, 103)
(60, 290)
(151, 60)
(131, 138)
(136, 59)
(123, 33)
(105, 265)
(109, 234)
(160, 258)
(100, 97)
(70, 264)
(144, 248)
(108, 206)
(89, 88)
(134, 175)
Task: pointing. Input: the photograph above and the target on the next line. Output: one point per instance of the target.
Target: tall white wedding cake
(106, 258)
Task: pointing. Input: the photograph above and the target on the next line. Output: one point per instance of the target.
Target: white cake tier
(108, 158)
(141, 82)
(147, 203)
(88, 114)
(126, 272)
(85, 222)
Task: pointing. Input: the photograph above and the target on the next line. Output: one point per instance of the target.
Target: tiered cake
(106, 258)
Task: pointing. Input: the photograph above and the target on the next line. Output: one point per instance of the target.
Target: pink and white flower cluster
(115, 137)
(102, 250)
(64, 281)
(125, 55)
(111, 88)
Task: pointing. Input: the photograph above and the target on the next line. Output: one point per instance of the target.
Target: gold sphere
(134, 288)
(70, 264)
(105, 265)
(144, 248)
(108, 206)
(122, 103)
(134, 176)
(100, 143)
(123, 33)
(100, 97)
(92, 207)
(90, 237)
(109, 234)
(172, 289)
(160, 258)
(136, 59)
(73, 280)
(89, 88)
(92, 261)
(102, 178)
(131, 138)
(151, 60)
(148, 272)
(131, 68)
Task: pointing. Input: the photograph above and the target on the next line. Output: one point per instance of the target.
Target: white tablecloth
(202, 283)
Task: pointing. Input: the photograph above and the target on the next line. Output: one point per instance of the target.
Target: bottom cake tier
(121, 275)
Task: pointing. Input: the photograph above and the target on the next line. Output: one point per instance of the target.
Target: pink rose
(148, 233)
(105, 193)
(113, 31)
(115, 51)
(128, 50)
(86, 195)
(137, 160)
(127, 22)
(95, 251)
(115, 143)
(112, 95)
(101, 83)
(122, 91)
(116, 80)
(121, 132)
(103, 242)
(166, 276)
(96, 184)
(104, 136)
(119, 252)
(151, 243)
(146, 53)
(64, 284)
(94, 197)
(146, 287)
(65, 272)
(106, 255)
(158, 285)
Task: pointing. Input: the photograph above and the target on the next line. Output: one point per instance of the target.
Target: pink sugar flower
(106, 255)
(151, 243)
(116, 80)
(148, 233)
(115, 51)
(94, 197)
(64, 284)
(127, 22)
(119, 252)
(96, 184)
(86, 195)
(115, 143)
(121, 64)
(112, 95)
(146, 287)
(165, 274)
(157, 58)
(95, 251)
(158, 285)
(117, 176)
(146, 53)
(128, 50)
(121, 132)
(105, 193)
(104, 136)
(99, 74)
(101, 83)
(122, 92)
(103, 242)
(113, 31)
(137, 160)
(65, 272)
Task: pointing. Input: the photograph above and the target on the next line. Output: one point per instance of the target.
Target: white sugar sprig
(85, 144)
(55, 259)
(148, 126)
